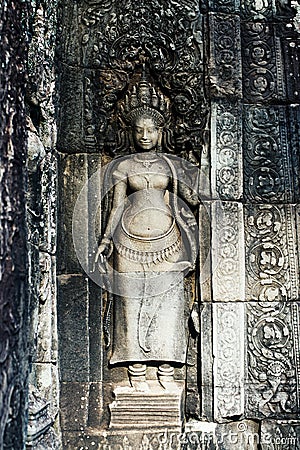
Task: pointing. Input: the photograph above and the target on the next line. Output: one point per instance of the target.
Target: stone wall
(14, 298)
(230, 70)
(43, 427)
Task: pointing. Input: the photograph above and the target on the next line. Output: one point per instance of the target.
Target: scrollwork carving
(273, 326)
(268, 174)
(271, 368)
(271, 253)
(225, 6)
(262, 61)
(227, 153)
(257, 9)
(229, 366)
(116, 40)
(225, 64)
(228, 255)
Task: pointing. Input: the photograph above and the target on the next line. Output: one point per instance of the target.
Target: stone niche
(225, 74)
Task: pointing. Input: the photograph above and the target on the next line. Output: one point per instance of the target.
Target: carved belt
(148, 251)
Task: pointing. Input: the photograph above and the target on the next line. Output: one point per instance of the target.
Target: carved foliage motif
(225, 6)
(257, 9)
(229, 361)
(293, 120)
(225, 63)
(271, 253)
(114, 34)
(47, 204)
(227, 151)
(266, 9)
(262, 63)
(273, 325)
(268, 174)
(116, 39)
(228, 255)
(271, 360)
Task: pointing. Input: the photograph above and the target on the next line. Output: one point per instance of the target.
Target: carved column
(271, 191)
(42, 223)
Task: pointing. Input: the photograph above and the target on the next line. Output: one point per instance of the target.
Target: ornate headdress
(144, 100)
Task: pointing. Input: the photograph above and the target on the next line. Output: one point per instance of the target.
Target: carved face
(145, 133)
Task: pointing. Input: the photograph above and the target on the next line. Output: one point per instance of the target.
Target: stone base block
(159, 406)
(147, 439)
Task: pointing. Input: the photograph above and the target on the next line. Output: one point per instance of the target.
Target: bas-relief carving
(262, 63)
(41, 222)
(266, 9)
(225, 68)
(225, 6)
(40, 421)
(272, 372)
(114, 75)
(228, 347)
(272, 315)
(152, 235)
(268, 172)
(271, 253)
(257, 9)
(115, 41)
(228, 266)
(226, 151)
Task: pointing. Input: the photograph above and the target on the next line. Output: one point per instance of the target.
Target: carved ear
(159, 140)
(131, 141)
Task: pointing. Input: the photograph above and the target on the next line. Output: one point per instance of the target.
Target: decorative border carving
(271, 360)
(225, 71)
(228, 338)
(262, 63)
(225, 6)
(228, 261)
(257, 10)
(271, 253)
(268, 174)
(227, 171)
(273, 321)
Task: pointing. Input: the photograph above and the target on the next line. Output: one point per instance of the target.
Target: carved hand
(105, 249)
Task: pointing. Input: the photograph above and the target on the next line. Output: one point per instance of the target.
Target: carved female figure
(152, 246)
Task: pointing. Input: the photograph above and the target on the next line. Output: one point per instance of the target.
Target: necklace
(147, 162)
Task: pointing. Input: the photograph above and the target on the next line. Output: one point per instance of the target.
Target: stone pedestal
(159, 406)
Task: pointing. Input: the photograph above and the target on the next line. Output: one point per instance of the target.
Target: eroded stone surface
(249, 244)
